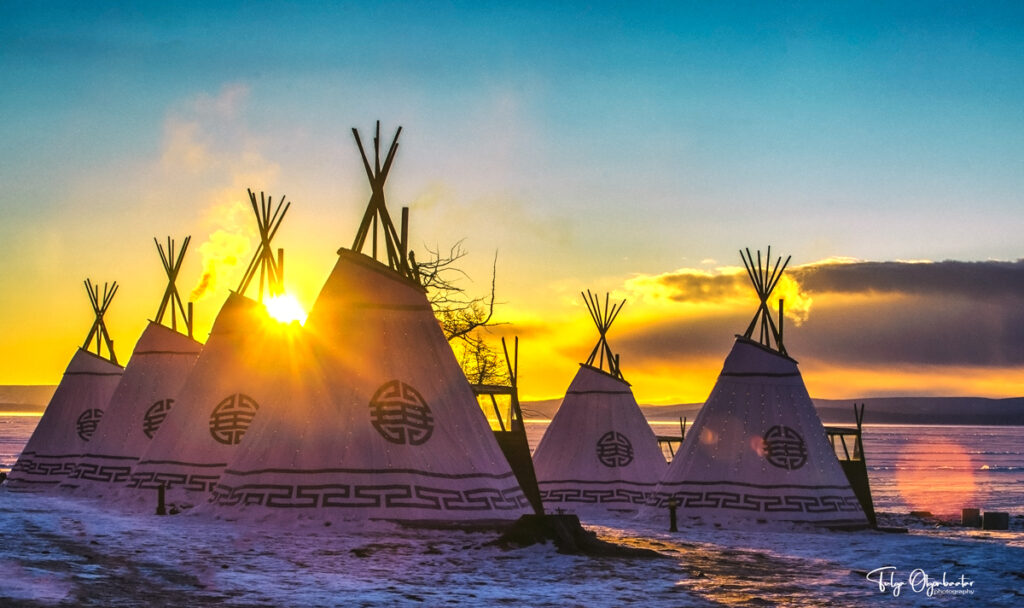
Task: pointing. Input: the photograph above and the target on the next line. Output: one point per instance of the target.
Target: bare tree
(464, 319)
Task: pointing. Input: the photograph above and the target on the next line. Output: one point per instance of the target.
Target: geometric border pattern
(577, 494)
(754, 501)
(90, 471)
(356, 496)
(190, 482)
(38, 465)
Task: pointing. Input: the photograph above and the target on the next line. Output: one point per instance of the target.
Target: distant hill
(879, 410)
(926, 410)
(26, 398)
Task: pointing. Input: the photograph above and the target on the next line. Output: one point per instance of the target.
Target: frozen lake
(59, 551)
(63, 552)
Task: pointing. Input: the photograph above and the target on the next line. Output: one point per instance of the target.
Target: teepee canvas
(385, 425)
(223, 392)
(145, 394)
(598, 454)
(757, 450)
(73, 415)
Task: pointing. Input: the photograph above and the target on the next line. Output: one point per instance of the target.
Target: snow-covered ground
(60, 551)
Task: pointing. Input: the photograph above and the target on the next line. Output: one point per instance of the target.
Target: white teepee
(218, 400)
(389, 430)
(73, 415)
(224, 390)
(374, 419)
(599, 454)
(757, 450)
(146, 393)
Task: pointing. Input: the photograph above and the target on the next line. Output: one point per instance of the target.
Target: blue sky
(588, 143)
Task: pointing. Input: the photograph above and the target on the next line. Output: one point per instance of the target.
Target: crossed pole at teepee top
(765, 278)
(99, 328)
(603, 319)
(271, 269)
(172, 299)
(396, 244)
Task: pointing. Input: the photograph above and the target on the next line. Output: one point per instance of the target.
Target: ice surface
(60, 551)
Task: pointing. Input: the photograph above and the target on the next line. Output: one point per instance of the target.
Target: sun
(286, 309)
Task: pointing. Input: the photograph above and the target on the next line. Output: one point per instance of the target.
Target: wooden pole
(497, 413)
(779, 338)
(280, 269)
(374, 241)
(404, 245)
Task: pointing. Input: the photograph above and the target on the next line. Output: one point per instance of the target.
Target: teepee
(757, 450)
(375, 419)
(73, 415)
(146, 393)
(598, 455)
(224, 389)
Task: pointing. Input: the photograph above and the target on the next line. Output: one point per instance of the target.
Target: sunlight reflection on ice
(935, 476)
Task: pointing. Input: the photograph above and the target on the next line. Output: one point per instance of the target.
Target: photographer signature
(918, 581)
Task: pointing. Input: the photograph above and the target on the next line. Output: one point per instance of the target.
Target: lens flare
(936, 476)
(286, 309)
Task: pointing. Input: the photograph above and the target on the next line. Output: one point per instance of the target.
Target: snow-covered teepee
(146, 393)
(757, 450)
(376, 419)
(74, 413)
(598, 454)
(225, 389)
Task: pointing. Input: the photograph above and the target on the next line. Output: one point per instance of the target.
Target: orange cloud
(722, 287)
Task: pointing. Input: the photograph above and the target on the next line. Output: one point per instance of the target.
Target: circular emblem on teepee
(155, 416)
(400, 414)
(784, 448)
(232, 417)
(614, 450)
(87, 423)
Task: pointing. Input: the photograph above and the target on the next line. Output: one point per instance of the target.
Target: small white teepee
(73, 415)
(757, 450)
(599, 454)
(145, 395)
(374, 419)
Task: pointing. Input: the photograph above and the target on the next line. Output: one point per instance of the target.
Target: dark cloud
(948, 313)
(971, 279)
(925, 329)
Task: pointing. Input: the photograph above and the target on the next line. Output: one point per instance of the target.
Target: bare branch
(463, 318)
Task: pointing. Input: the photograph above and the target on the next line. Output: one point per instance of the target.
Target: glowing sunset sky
(593, 146)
